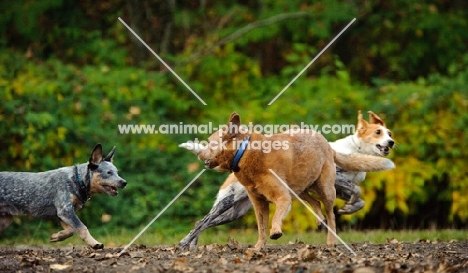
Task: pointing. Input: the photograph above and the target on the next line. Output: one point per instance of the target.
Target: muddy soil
(423, 256)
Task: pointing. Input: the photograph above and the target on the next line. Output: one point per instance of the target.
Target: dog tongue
(111, 189)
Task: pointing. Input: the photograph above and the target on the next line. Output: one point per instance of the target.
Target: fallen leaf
(364, 270)
(263, 269)
(306, 254)
(251, 253)
(284, 258)
(29, 262)
(111, 255)
(233, 244)
(59, 267)
(222, 261)
(136, 254)
(180, 264)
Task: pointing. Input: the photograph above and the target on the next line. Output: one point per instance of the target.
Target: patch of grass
(167, 237)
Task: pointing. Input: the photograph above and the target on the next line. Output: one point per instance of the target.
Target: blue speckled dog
(59, 193)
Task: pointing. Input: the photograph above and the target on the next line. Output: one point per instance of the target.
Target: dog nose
(391, 143)
(123, 182)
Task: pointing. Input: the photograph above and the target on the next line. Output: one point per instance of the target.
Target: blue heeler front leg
(71, 223)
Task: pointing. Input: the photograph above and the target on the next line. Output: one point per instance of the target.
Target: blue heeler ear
(96, 157)
(110, 156)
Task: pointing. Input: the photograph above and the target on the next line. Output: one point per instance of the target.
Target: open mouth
(207, 164)
(384, 150)
(111, 190)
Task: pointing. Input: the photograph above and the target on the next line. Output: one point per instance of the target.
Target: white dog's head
(373, 136)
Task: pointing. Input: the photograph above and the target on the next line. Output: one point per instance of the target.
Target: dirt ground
(423, 256)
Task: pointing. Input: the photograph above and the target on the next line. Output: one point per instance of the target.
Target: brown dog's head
(222, 145)
(374, 137)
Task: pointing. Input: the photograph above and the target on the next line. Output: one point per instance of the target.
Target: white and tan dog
(371, 138)
(308, 166)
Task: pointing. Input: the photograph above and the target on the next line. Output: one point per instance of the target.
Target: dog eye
(389, 134)
(109, 172)
(377, 132)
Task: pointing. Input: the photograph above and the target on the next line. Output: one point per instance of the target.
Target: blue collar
(83, 188)
(239, 154)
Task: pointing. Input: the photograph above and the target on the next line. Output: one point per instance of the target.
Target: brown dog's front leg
(262, 210)
(283, 206)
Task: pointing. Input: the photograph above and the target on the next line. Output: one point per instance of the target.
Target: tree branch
(240, 32)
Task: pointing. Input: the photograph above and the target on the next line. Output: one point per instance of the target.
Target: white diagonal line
(162, 61)
(311, 62)
(162, 211)
(316, 216)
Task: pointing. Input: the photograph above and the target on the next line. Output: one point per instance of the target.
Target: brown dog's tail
(362, 163)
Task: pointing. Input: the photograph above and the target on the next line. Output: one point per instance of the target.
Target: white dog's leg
(353, 198)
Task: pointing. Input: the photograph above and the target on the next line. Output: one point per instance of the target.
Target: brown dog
(303, 159)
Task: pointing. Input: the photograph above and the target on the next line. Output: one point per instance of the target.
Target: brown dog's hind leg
(315, 206)
(326, 191)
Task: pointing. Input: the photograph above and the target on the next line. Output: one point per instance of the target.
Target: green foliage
(53, 114)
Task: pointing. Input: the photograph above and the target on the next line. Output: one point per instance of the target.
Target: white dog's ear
(362, 124)
(195, 148)
(374, 119)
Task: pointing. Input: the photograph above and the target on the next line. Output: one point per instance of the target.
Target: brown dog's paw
(98, 246)
(276, 235)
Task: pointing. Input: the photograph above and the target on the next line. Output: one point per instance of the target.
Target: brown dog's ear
(233, 115)
(96, 157)
(234, 124)
(361, 124)
(110, 156)
(374, 119)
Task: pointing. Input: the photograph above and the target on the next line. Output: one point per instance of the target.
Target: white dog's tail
(193, 147)
(362, 163)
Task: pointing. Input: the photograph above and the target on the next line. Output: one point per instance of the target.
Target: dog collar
(239, 154)
(83, 191)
